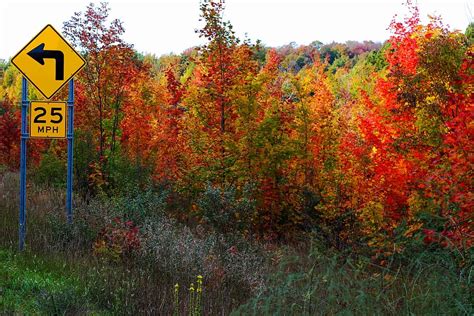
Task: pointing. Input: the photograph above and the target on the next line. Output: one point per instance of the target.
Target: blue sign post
(70, 148)
(70, 154)
(24, 137)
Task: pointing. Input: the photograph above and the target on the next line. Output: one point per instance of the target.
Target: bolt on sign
(47, 119)
(48, 61)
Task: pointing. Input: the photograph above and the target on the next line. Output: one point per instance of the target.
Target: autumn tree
(10, 124)
(222, 73)
(152, 123)
(397, 157)
(111, 67)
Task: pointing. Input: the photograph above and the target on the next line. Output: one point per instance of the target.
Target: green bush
(138, 204)
(225, 209)
(61, 302)
(78, 236)
(125, 175)
(84, 155)
(51, 171)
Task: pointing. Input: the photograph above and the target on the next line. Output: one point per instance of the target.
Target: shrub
(118, 240)
(231, 268)
(51, 171)
(226, 210)
(77, 236)
(139, 205)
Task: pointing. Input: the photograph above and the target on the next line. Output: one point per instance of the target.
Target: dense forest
(322, 178)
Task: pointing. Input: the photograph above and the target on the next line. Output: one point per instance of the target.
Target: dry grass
(171, 253)
(235, 271)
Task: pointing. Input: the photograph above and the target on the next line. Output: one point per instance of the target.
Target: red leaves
(402, 55)
(175, 88)
(10, 124)
(449, 238)
(429, 236)
(118, 240)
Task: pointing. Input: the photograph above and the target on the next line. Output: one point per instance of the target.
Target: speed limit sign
(47, 119)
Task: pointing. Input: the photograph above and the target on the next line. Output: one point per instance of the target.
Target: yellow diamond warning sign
(48, 61)
(48, 119)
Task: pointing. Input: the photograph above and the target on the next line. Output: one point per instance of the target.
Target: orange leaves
(353, 146)
(418, 162)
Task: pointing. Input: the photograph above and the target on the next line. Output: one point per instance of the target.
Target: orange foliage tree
(402, 160)
(103, 86)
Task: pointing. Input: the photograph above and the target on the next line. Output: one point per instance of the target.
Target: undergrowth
(328, 283)
(30, 285)
(124, 255)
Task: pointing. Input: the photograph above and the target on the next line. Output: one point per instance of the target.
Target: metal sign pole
(48, 78)
(70, 143)
(24, 137)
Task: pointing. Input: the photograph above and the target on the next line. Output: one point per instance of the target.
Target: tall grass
(330, 283)
(29, 285)
(239, 276)
(144, 282)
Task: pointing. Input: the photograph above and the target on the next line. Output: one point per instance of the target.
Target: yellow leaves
(413, 228)
(154, 124)
(372, 214)
(388, 277)
(373, 152)
(417, 203)
(430, 99)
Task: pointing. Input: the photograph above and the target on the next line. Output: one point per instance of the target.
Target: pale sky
(165, 26)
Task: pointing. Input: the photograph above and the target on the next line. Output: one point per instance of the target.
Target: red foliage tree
(10, 125)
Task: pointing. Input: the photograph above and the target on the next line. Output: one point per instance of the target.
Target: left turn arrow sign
(39, 54)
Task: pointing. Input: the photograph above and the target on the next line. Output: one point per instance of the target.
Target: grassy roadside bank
(32, 285)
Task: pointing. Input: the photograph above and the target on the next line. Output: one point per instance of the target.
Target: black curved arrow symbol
(39, 54)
